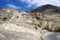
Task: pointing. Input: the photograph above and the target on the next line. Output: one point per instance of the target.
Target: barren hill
(42, 23)
(47, 8)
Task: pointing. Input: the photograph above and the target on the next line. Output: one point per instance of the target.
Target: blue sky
(26, 4)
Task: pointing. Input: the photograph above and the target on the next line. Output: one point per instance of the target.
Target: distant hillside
(46, 8)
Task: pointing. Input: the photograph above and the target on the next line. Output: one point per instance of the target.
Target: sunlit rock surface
(16, 25)
(8, 35)
(48, 16)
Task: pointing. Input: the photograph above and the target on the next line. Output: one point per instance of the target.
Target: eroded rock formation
(32, 25)
(48, 16)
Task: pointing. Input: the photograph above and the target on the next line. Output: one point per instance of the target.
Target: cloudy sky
(26, 4)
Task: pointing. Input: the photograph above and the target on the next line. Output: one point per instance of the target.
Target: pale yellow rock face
(14, 27)
(30, 23)
(13, 21)
(47, 21)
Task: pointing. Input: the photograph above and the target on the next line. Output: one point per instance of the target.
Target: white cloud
(13, 6)
(42, 2)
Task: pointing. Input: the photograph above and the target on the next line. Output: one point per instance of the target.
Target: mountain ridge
(43, 8)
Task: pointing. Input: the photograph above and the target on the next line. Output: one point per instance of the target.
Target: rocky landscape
(42, 23)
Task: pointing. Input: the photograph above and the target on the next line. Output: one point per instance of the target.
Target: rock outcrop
(8, 35)
(37, 24)
(48, 16)
(16, 25)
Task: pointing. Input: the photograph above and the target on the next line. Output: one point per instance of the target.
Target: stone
(15, 25)
(51, 36)
(20, 28)
(9, 35)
